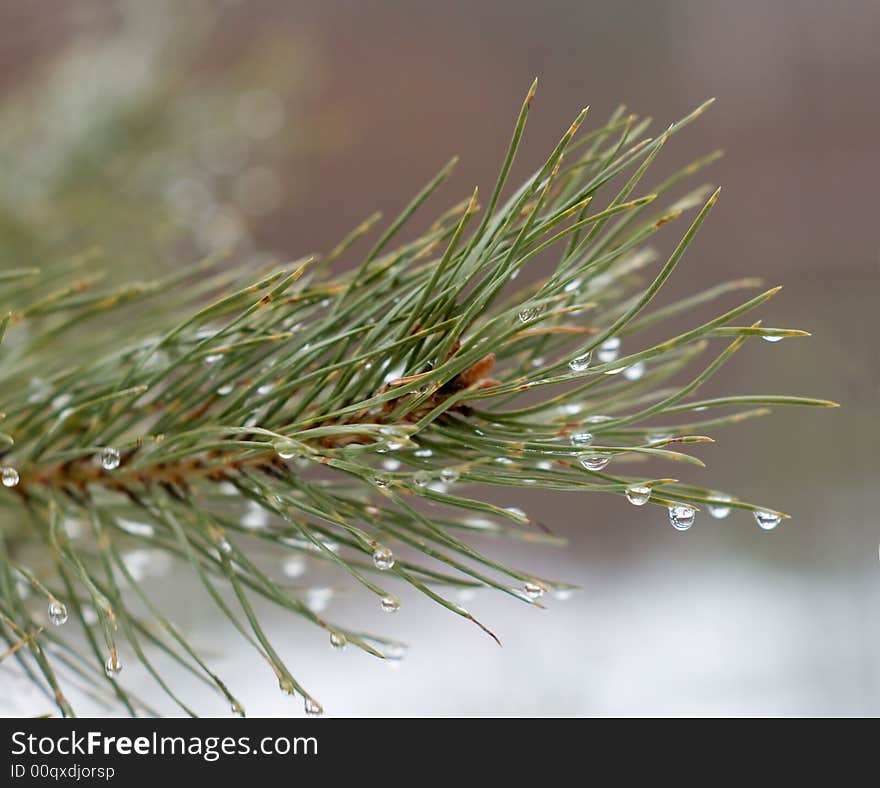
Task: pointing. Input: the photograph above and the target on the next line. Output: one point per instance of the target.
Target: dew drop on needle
(57, 613)
(681, 517)
(638, 495)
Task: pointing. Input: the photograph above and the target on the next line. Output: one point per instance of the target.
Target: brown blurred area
(723, 619)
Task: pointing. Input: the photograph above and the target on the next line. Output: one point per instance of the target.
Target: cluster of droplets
(681, 516)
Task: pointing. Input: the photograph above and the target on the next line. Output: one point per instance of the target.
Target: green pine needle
(356, 419)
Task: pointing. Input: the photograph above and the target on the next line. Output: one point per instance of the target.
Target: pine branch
(356, 419)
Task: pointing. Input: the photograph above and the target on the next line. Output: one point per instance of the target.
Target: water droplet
(110, 459)
(73, 528)
(504, 461)
(718, 510)
(580, 363)
(224, 390)
(634, 372)
(57, 613)
(391, 464)
(212, 358)
(395, 651)
(573, 285)
(39, 389)
(383, 558)
(572, 408)
(390, 604)
(143, 562)
(449, 475)
(265, 389)
(581, 439)
(287, 450)
(294, 566)
(544, 465)
(534, 590)
(313, 708)
(681, 516)
(608, 350)
(423, 453)
(772, 339)
(517, 513)
(255, 516)
(318, 598)
(394, 374)
(136, 529)
(638, 495)
(382, 481)
(9, 476)
(594, 462)
(537, 363)
(598, 419)
(338, 641)
(112, 667)
(421, 479)
(767, 520)
(528, 313)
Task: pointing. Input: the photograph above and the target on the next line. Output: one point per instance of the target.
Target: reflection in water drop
(681, 516)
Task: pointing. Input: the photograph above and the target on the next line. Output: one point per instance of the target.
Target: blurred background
(162, 131)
